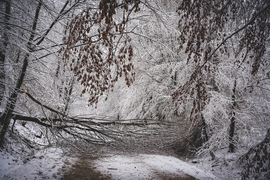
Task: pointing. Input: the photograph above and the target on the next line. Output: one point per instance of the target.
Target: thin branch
(236, 32)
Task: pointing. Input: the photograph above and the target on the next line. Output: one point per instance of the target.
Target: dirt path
(85, 169)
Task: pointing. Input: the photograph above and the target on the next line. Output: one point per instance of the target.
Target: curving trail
(135, 167)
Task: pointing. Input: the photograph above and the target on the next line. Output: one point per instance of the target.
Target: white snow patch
(45, 164)
(145, 166)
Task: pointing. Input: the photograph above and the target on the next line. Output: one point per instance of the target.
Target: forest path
(134, 167)
(83, 170)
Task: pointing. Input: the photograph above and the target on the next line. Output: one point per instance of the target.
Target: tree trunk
(3, 51)
(5, 118)
(232, 125)
(204, 125)
(206, 138)
(204, 132)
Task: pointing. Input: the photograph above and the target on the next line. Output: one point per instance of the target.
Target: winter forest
(168, 83)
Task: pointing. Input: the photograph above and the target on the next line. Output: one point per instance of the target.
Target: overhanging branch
(236, 32)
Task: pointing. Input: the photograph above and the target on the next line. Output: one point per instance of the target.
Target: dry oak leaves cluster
(98, 48)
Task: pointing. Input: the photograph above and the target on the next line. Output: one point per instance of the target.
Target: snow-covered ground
(19, 162)
(45, 164)
(51, 164)
(145, 166)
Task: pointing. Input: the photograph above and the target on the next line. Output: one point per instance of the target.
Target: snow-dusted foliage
(251, 106)
(192, 75)
(159, 67)
(158, 64)
(256, 162)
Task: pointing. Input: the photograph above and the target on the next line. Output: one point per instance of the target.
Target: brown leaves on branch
(207, 25)
(201, 22)
(98, 49)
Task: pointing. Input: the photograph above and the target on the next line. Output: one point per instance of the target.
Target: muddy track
(84, 169)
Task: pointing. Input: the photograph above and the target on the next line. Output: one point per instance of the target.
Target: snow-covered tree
(34, 32)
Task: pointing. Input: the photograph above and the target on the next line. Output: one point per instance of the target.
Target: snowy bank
(45, 164)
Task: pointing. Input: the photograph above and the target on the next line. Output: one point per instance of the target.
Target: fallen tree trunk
(88, 129)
